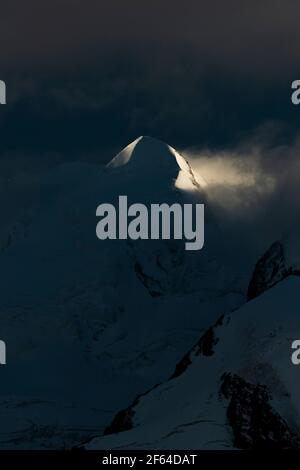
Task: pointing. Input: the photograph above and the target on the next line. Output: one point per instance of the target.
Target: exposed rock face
(204, 346)
(123, 420)
(153, 286)
(270, 269)
(254, 422)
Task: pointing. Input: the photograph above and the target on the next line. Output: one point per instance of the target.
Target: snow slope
(237, 388)
(84, 319)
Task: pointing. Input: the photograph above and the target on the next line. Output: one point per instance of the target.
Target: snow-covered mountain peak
(147, 152)
(153, 157)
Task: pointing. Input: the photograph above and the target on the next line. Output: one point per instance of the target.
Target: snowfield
(238, 389)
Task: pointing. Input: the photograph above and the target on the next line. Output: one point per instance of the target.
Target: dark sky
(85, 77)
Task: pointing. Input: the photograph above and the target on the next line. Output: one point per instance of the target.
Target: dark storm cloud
(254, 36)
(84, 75)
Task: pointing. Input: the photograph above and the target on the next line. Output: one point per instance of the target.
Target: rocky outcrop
(153, 286)
(253, 420)
(270, 269)
(205, 347)
(123, 420)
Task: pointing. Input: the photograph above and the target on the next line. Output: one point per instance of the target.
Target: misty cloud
(253, 189)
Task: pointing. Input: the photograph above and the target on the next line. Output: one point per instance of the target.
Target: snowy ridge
(242, 394)
(154, 157)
